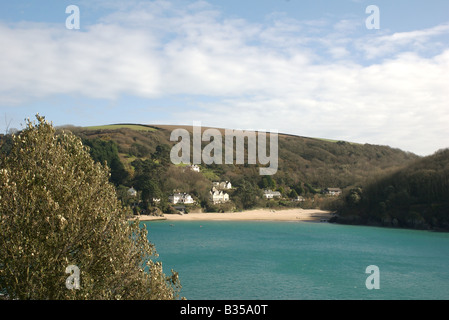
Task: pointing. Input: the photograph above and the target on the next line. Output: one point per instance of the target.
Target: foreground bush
(58, 209)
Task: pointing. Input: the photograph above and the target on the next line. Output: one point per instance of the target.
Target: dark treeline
(106, 152)
(414, 197)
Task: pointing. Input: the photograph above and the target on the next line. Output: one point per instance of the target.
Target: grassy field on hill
(122, 126)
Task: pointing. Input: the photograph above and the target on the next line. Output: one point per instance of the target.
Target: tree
(247, 194)
(310, 188)
(299, 188)
(162, 154)
(293, 194)
(150, 190)
(106, 152)
(58, 209)
(354, 197)
(267, 182)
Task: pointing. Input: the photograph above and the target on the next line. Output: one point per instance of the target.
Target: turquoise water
(300, 260)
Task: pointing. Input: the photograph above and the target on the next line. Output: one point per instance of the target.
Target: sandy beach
(296, 214)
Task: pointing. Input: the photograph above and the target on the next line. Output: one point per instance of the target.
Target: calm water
(299, 260)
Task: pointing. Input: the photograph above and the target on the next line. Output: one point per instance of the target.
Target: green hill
(321, 163)
(416, 196)
(306, 165)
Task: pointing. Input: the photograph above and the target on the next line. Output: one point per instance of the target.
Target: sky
(324, 68)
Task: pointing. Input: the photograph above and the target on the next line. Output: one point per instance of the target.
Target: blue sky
(310, 68)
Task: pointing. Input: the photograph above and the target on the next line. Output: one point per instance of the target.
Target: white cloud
(286, 74)
(418, 40)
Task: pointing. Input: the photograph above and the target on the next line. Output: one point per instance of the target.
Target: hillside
(319, 162)
(139, 157)
(416, 196)
(306, 165)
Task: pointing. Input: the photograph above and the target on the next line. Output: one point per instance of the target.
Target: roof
(333, 189)
(271, 192)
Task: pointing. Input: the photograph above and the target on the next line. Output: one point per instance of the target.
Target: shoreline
(296, 214)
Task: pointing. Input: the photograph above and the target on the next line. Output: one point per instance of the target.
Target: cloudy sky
(304, 67)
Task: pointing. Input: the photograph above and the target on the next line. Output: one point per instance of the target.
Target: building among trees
(222, 185)
(218, 196)
(270, 194)
(332, 191)
(194, 168)
(178, 197)
(132, 192)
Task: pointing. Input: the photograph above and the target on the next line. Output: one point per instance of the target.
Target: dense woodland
(416, 196)
(381, 185)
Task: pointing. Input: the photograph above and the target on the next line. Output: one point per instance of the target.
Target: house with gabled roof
(181, 198)
(218, 196)
(270, 194)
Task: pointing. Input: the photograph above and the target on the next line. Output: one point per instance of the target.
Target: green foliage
(293, 193)
(147, 179)
(267, 182)
(354, 197)
(298, 188)
(150, 190)
(247, 195)
(162, 154)
(209, 174)
(5, 145)
(106, 152)
(58, 208)
(139, 150)
(416, 196)
(310, 189)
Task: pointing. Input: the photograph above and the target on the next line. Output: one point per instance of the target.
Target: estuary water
(301, 260)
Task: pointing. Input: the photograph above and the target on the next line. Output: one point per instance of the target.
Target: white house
(218, 196)
(333, 191)
(181, 198)
(132, 192)
(222, 185)
(194, 167)
(269, 194)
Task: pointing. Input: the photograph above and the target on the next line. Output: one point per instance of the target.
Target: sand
(249, 215)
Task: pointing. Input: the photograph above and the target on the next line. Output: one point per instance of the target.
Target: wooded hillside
(416, 196)
(139, 157)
